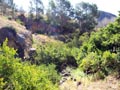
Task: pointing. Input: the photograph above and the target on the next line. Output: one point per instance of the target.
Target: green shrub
(16, 75)
(50, 53)
(91, 63)
(53, 53)
(2, 83)
(109, 59)
(7, 61)
(99, 54)
(100, 65)
(30, 77)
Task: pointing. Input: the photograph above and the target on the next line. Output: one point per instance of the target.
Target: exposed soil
(110, 83)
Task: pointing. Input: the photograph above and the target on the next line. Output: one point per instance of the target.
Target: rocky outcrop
(42, 27)
(25, 39)
(22, 41)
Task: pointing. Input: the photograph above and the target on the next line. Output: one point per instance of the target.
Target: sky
(112, 6)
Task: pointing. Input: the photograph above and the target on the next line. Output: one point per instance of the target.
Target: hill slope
(5, 22)
(105, 18)
(38, 38)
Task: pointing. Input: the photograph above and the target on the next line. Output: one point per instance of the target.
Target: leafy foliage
(56, 53)
(59, 12)
(36, 6)
(99, 54)
(95, 53)
(16, 75)
(86, 14)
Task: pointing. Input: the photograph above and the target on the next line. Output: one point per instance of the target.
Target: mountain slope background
(105, 18)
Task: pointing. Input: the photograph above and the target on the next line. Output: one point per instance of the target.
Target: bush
(99, 54)
(30, 77)
(100, 65)
(6, 63)
(109, 59)
(91, 63)
(55, 53)
(16, 75)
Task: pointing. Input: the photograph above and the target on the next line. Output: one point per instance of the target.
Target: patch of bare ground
(109, 83)
(11, 23)
(39, 39)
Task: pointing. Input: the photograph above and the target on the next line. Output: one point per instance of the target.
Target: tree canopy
(37, 7)
(86, 15)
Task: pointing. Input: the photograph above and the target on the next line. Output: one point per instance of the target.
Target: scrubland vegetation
(86, 51)
(99, 55)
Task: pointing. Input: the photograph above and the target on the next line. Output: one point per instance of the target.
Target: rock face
(25, 39)
(22, 42)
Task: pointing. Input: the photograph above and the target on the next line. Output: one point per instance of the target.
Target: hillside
(4, 22)
(98, 49)
(62, 51)
(11, 23)
(105, 18)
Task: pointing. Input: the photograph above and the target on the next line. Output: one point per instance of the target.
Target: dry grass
(39, 39)
(11, 23)
(109, 83)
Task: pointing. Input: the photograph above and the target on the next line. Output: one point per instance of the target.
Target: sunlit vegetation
(16, 75)
(85, 50)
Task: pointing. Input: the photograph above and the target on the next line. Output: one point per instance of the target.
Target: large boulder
(25, 39)
(22, 41)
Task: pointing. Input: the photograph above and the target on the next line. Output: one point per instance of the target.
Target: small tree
(8, 4)
(59, 12)
(37, 7)
(86, 15)
(13, 6)
(31, 10)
